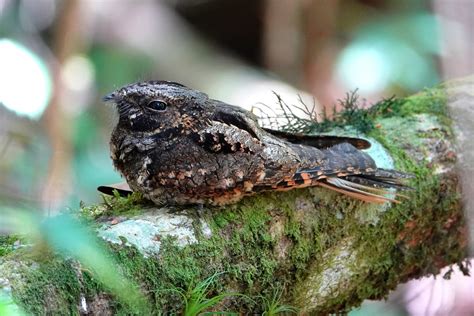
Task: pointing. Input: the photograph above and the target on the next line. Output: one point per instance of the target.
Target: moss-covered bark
(313, 249)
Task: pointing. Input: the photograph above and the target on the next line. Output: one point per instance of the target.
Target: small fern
(273, 306)
(196, 300)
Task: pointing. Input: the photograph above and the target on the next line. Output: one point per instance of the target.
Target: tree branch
(310, 248)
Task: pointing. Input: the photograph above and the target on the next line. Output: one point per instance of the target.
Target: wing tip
(122, 188)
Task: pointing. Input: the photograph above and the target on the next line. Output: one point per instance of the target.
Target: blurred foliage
(8, 307)
(116, 66)
(403, 50)
(70, 238)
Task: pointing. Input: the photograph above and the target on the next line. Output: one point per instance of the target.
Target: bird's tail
(377, 187)
(345, 169)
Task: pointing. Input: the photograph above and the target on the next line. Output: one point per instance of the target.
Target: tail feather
(378, 182)
(392, 174)
(345, 169)
(367, 185)
(359, 191)
(355, 185)
(360, 195)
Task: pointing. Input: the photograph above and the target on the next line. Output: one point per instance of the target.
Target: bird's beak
(110, 97)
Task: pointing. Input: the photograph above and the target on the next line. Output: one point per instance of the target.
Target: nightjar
(175, 145)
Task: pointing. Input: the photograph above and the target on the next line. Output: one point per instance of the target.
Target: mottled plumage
(177, 146)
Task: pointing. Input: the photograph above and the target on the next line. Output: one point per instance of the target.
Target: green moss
(429, 101)
(45, 287)
(116, 205)
(362, 119)
(7, 244)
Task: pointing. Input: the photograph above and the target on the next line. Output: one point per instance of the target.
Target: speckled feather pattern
(200, 150)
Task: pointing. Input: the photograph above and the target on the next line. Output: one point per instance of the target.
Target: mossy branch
(309, 249)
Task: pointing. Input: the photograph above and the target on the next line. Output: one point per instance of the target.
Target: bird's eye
(157, 105)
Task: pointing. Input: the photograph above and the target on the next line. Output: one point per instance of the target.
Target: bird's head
(158, 106)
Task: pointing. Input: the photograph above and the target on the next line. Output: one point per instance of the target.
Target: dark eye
(157, 105)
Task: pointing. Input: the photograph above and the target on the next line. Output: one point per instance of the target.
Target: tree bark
(313, 249)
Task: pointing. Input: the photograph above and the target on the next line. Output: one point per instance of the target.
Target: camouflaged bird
(175, 145)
